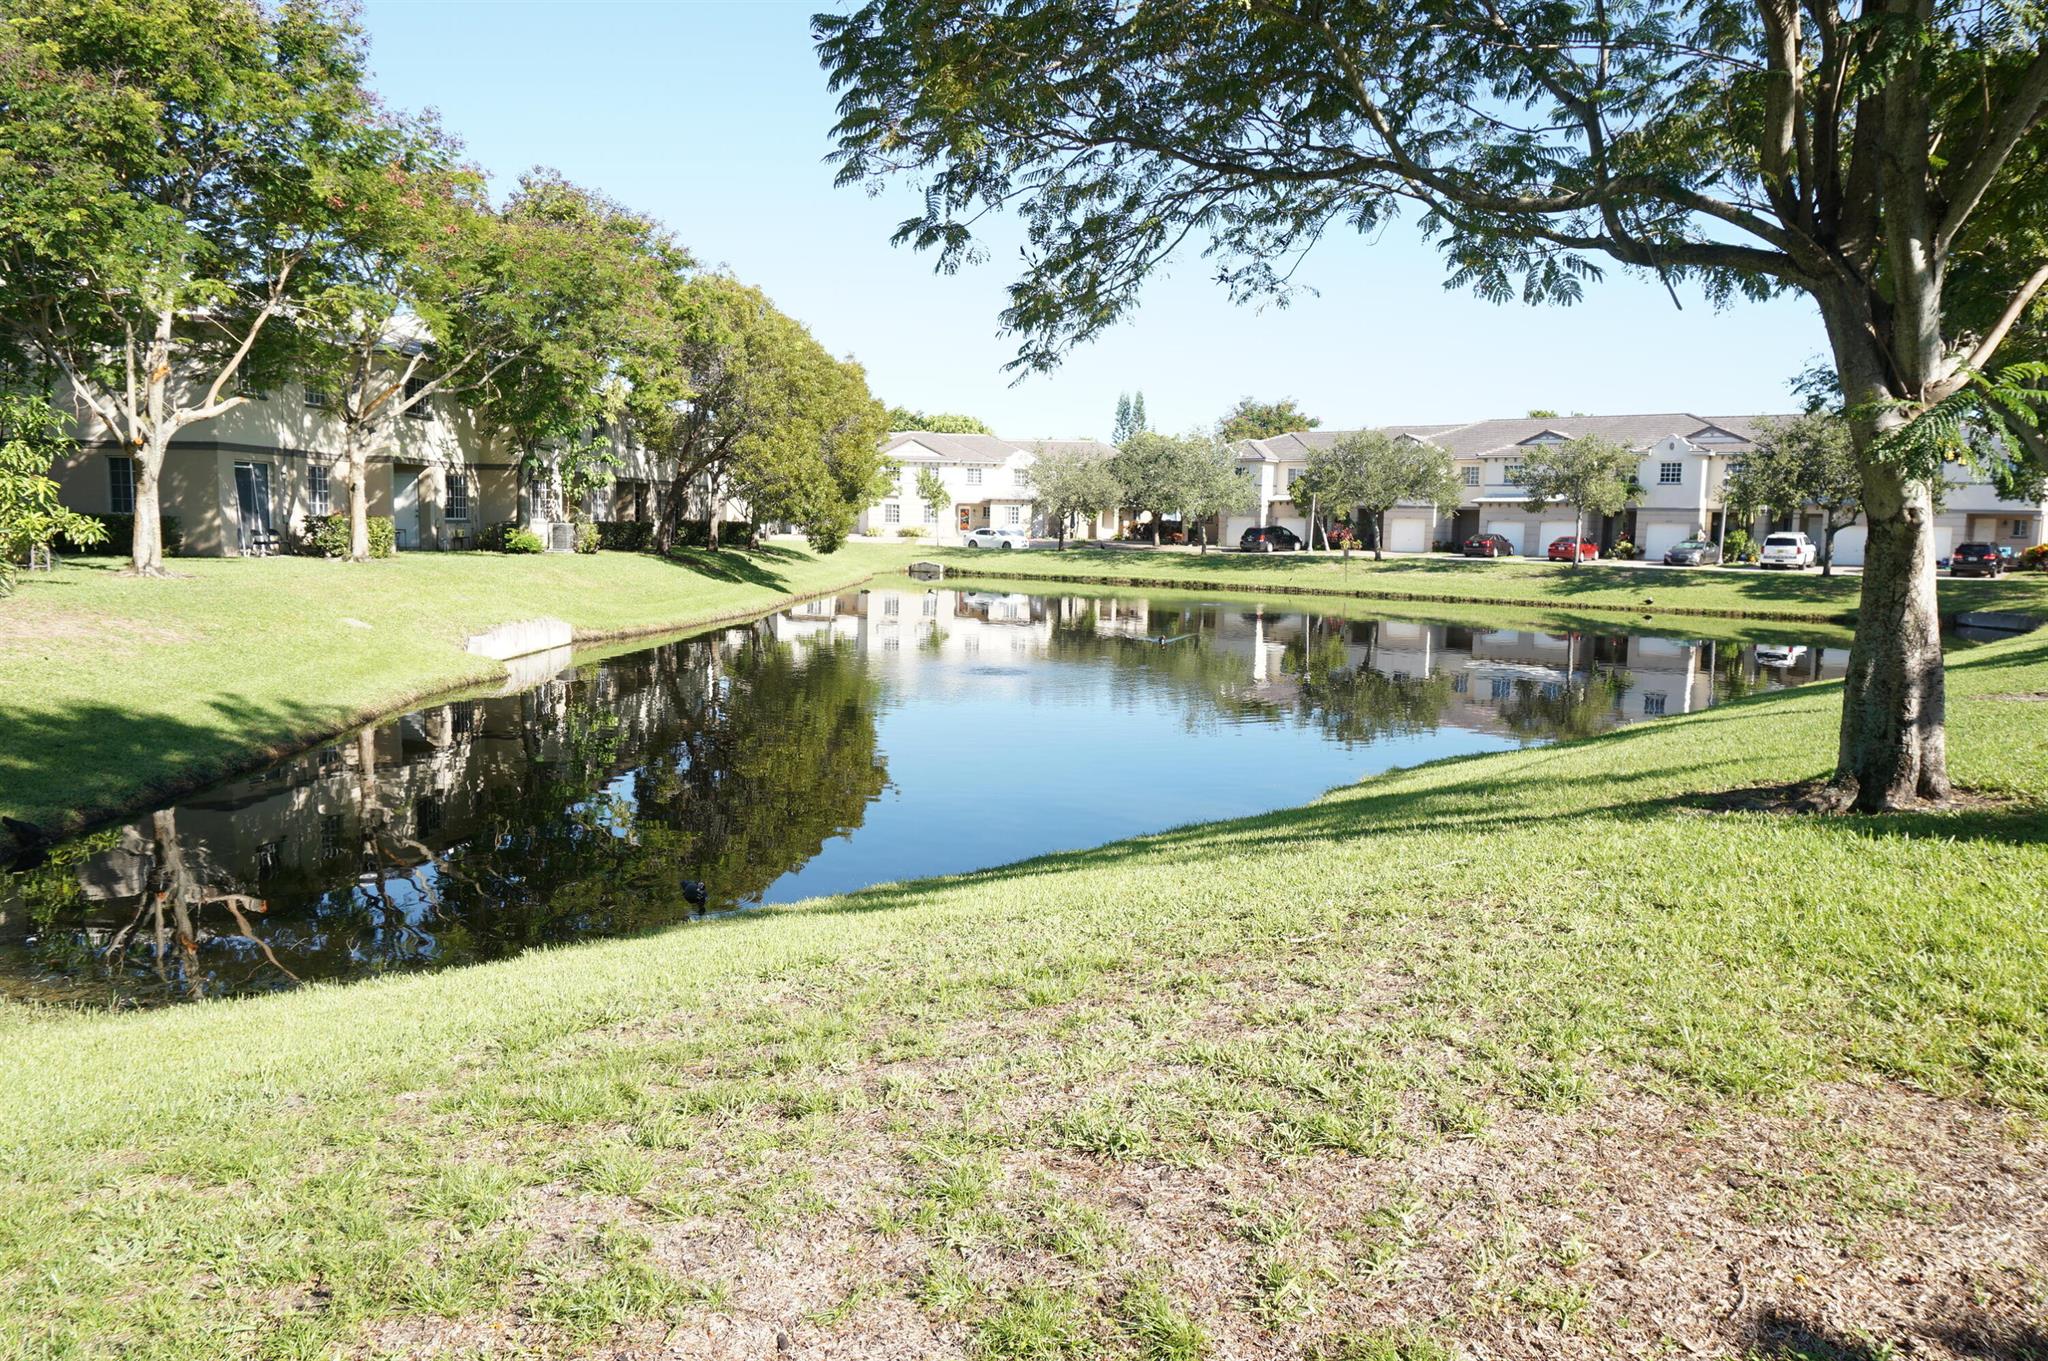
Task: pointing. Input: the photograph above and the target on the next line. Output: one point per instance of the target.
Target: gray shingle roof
(1475, 438)
(984, 448)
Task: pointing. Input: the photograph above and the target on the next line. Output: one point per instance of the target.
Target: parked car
(1563, 550)
(1692, 553)
(1779, 655)
(1268, 539)
(991, 537)
(1489, 546)
(1975, 560)
(1789, 548)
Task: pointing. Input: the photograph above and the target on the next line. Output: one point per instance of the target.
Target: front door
(966, 519)
(405, 506)
(252, 507)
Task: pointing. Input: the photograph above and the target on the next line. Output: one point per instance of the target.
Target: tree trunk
(1893, 743)
(711, 523)
(1578, 536)
(672, 513)
(1379, 536)
(146, 555)
(358, 508)
(1827, 543)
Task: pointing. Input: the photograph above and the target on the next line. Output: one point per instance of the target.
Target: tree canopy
(1593, 476)
(938, 422)
(31, 434)
(1372, 472)
(1253, 419)
(1807, 460)
(1882, 157)
(1068, 482)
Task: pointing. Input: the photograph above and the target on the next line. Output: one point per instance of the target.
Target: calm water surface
(849, 741)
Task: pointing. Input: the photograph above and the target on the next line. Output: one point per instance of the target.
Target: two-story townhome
(245, 482)
(1685, 462)
(987, 481)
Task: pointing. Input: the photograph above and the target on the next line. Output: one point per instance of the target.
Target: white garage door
(1944, 540)
(1511, 530)
(1553, 530)
(1407, 534)
(1658, 539)
(1849, 546)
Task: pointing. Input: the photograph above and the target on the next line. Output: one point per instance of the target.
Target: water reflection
(850, 740)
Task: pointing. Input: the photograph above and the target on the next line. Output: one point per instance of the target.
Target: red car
(1488, 546)
(1561, 549)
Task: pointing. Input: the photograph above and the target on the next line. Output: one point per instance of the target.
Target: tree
(1251, 419)
(938, 423)
(1593, 476)
(1853, 153)
(1130, 417)
(31, 436)
(1155, 472)
(931, 489)
(746, 404)
(1809, 460)
(1212, 485)
(1066, 482)
(1368, 471)
(168, 178)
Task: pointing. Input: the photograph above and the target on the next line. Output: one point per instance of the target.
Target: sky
(716, 119)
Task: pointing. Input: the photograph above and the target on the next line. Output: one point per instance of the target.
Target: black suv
(1268, 539)
(1975, 560)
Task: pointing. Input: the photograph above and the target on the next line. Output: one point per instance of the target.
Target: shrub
(1342, 537)
(625, 536)
(120, 539)
(2034, 559)
(1624, 549)
(697, 533)
(910, 532)
(587, 537)
(1738, 547)
(326, 536)
(517, 540)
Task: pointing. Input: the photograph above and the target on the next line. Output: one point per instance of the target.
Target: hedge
(327, 536)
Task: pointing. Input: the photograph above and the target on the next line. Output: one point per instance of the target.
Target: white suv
(998, 538)
(1789, 549)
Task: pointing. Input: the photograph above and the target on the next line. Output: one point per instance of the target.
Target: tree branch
(1974, 179)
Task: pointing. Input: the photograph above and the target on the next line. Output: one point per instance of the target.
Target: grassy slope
(1591, 587)
(1347, 1080)
(112, 689)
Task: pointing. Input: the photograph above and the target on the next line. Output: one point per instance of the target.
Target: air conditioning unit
(561, 538)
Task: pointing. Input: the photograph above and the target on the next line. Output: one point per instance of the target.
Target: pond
(873, 736)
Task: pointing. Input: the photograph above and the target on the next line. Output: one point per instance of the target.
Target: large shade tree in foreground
(1880, 157)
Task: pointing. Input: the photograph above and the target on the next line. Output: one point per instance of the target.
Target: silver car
(1692, 553)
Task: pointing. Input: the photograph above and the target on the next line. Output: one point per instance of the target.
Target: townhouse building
(1685, 461)
(245, 482)
(988, 481)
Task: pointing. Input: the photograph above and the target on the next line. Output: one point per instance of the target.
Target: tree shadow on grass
(1780, 1335)
(751, 567)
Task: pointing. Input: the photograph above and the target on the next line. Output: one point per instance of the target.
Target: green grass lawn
(113, 689)
(1755, 594)
(1544, 1053)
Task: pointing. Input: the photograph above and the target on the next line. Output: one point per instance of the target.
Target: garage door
(1849, 546)
(1511, 530)
(1552, 531)
(1944, 540)
(1658, 539)
(1408, 534)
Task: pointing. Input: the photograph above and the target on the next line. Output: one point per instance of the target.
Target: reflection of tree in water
(1354, 702)
(1176, 653)
(578, 809)
(1577, 706)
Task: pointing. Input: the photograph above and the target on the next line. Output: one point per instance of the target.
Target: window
(316, 398)
(1512, 474)
(892, 605)
(1503, 688)
(1021, 477)
(248, 387)
(426, 815)
(1471, 477)
(2021, 528)
(319, 495)
(974, 477)
(458, 496)
(1460, 683)
(1653, 704)
(330, 835)
(892, 514)
(121, 486)
(1016, 515)
(417, 409)
(1670, 474)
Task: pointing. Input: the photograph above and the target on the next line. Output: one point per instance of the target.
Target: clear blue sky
(715, 118)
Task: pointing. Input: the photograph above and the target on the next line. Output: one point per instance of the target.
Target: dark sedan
(1488, 546)
(1269, 539)
(1692, 553)
(1975, 560)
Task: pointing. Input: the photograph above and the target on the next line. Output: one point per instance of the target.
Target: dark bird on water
(693, 892)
